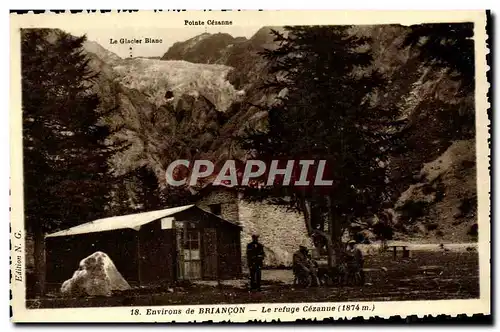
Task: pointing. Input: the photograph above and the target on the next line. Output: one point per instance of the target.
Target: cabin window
(192, 245)
(188, 241)
(191, 251)
(215, 209)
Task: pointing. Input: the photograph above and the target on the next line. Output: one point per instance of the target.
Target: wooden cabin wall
(149, 256)
(210, 259)
(222, 259)
(220, 244)
(63, 254)
(229, 252)
(157, 254)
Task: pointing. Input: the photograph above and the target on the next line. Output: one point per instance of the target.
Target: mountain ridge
(204, 48)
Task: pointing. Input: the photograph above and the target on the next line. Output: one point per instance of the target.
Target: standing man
(255, 260)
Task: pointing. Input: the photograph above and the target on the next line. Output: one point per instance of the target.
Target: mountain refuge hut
(151, 248)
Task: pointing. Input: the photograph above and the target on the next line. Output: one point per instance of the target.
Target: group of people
(303, 263)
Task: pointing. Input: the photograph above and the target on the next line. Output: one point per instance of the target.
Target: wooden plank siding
(210, 261)
(229, 253)
(156, 254)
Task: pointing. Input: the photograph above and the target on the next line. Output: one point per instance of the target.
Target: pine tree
(325, 113)
(65, 156)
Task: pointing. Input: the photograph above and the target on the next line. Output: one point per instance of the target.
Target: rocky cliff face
(442, 205)
(205, 48)
(161, 106)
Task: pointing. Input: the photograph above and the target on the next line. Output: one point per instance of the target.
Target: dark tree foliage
(326, 114)
(137, 191)
(383, 231)
(65, 158)
(149, 189)
(473, 231)
(447, 45)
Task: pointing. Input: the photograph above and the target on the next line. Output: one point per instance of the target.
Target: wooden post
(216, 249)
(395, 251)
(179, 243)
(40, 264)
(139, 258)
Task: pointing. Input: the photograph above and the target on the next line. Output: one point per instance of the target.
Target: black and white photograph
(224, 171)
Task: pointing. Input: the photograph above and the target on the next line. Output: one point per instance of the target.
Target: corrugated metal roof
(132, 221)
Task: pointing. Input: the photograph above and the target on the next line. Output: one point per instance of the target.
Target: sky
(168, 35)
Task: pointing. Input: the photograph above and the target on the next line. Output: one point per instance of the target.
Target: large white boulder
(96, 275)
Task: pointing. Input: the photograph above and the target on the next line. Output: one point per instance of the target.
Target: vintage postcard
(191, 166)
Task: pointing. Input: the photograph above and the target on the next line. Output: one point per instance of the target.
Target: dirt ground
(424, 276)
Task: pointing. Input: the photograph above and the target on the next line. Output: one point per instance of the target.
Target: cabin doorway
(188, 249)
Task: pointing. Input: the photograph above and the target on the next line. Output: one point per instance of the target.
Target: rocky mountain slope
(204, 48)
(442, 205)
(161, 105)
(154, 78)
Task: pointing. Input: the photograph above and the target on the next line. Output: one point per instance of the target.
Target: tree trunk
(332, 256)
(330, 247)
(39, 255)
(335, 227)
(306, 210)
